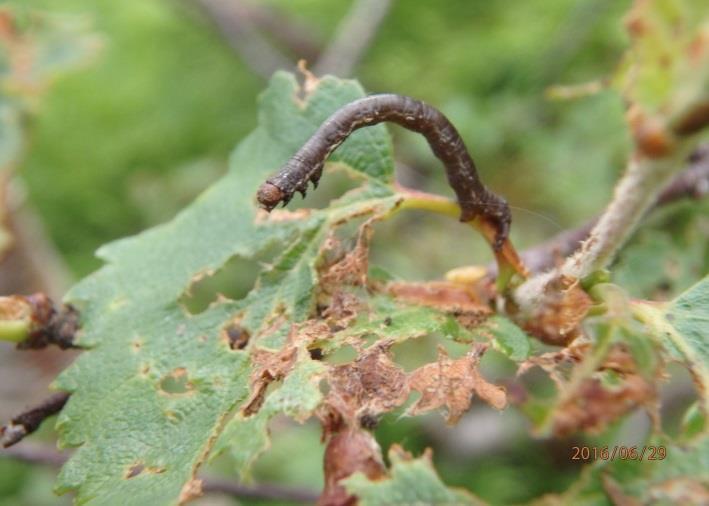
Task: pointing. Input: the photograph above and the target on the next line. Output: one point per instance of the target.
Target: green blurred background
(125, 141)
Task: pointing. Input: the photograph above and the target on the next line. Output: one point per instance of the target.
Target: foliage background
(127, 141)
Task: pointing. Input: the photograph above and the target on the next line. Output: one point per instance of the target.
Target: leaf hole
(235, 336)
(342, 355)
(233, 281)
(177, 382)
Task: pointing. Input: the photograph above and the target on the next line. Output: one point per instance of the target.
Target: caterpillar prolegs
(475, 200)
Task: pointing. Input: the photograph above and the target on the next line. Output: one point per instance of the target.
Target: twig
(33, 322)
(47, 456)
(691, 183)
(353, 36)
(29, 421)
(244, 38)
(282, 28)
(263, 491)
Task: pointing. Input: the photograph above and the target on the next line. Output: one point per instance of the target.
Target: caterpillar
(474, 198)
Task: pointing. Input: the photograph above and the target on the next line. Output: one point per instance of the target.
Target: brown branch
(263, 491)
(47, 456)
(282, 28)
(255, 50)
(353, 36)
(29, 421)
(692, 183)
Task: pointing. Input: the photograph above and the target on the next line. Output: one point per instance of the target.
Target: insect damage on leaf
(564, 306)
(367, 387)
(451, 383)
(607, 392)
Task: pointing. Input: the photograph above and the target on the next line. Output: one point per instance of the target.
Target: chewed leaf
(411, 481)
(682, 326)
(155, 375)
(665, 74)
(451, 384)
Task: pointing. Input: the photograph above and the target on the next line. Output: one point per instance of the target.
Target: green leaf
(682, 326)
(509, 339)
(157, 384)
(665, 70)
(411, 481)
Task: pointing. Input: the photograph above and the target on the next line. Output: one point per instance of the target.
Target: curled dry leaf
(371, 385)
(553, 362)
(348, 452)
(352, 268)
(565, 305)
(452, 383)
(595, 405)
(342, 309)
(444, 295)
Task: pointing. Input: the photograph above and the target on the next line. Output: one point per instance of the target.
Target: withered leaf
(594, 406)
(564, 306)
(443, 295)
(371, 385)
(452, 383)
(270, 366)
(348, 452)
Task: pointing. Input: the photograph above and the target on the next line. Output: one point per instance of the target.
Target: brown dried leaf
(352, 268)
(553, 361)
(564, 306)
(371, 385)
(452, 383)
(593, 406)
(348, 452)
(443, 295)
(342, 310)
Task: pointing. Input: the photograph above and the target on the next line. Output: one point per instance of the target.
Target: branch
(47, 456)
(33, 322)
(263, 491)
(353, 36)
(282, 28)
(691, 183)
(244, 38)
(29, 421)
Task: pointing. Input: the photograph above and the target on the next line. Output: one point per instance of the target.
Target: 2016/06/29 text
(640, 453)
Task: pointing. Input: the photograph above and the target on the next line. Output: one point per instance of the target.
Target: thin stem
(636, 192)
(691, 183)
(255, 50)
(507, 259)
(29, 421)
(353, 36)
(33, 323)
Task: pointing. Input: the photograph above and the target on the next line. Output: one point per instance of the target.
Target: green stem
(14, 331)
(507, 259)
(16, 322)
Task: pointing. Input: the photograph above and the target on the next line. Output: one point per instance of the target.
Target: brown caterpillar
(307, 164)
